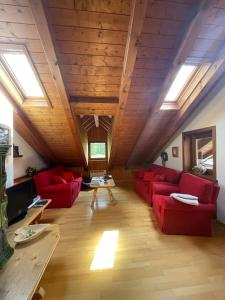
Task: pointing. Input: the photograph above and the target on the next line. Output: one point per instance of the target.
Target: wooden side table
(19, 279)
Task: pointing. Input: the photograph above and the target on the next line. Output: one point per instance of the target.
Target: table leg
(94, 197)
(111, 196)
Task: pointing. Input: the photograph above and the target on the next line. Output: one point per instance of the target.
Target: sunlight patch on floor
(105, 251)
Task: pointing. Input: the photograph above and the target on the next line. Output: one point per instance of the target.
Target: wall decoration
(164, 157)
(4, 135)
(175, 151)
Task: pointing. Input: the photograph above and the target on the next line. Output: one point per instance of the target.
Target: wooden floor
(148, 264)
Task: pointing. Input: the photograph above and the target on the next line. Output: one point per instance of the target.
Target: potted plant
(30, 171)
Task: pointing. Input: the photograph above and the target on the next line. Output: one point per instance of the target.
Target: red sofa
(64, 194)
(175, 217)
(143, 179)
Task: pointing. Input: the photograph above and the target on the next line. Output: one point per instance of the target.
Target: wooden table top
(98, 182)
(20, 277)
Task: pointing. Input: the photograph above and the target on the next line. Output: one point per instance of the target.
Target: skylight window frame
(187, 81)
(184, 93)
(26, 100)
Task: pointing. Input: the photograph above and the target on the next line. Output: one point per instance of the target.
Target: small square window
(97, 150)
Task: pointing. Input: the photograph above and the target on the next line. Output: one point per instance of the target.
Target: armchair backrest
(205, 190)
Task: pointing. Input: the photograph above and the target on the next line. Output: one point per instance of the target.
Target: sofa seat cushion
(196, 186)
(56, 179)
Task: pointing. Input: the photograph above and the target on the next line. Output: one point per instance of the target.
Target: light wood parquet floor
(148, 264)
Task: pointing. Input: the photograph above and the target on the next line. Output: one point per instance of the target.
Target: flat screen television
(20, 196)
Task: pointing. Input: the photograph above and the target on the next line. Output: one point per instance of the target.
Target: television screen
(20, 196)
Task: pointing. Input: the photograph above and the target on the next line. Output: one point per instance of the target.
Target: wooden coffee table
(99, 183)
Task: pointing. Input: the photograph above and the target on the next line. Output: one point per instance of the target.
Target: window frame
(12, 84)
(189, 149)
(89, 150)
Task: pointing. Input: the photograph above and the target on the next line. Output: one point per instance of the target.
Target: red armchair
(63, 195)
(142, 179)
(175, 217)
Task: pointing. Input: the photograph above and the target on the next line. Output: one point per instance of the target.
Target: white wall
(213, 114)
(6, 118)
(30, 157)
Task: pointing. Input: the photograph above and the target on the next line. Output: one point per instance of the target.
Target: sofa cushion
(159, 178)
(56, 179)
(172, 176)
(149, 176)
(196, 186)
(68, 176)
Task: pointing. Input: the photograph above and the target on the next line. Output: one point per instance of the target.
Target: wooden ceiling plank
(208, 84)
(181, 55)
(38, 11)
(138, 10)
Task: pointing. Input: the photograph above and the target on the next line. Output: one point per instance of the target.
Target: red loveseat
(175, 217)
(63, 194)
(143, 179)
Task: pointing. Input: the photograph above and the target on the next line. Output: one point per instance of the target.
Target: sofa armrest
(171, 203)
(64, 187)
(164, 188)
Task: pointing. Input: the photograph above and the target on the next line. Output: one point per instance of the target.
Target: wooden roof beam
(96, 120)
(181, 55)
(137, 16)
(46, 37)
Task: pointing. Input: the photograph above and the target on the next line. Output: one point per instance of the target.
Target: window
(97, 150)
(20, 73)
(199, 152)
(178, 85)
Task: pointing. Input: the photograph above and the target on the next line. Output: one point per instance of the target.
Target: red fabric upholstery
(149, 176)
(62, 195)
(68, 176)
(143, 185)
(202, 188)
(56, 179)
(175, 217)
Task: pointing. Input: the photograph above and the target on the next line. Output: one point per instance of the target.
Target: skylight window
(180, 81)
(21, 70)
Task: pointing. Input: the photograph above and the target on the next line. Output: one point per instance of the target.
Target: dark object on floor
(86, 184)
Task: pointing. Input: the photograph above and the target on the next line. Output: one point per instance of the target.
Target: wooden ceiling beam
(83, 99)
(205, 91)
(181, 55)
(47, 39)
(96, 120)
(105, 124)
(104, 127)
(27, 130)
(137, 16)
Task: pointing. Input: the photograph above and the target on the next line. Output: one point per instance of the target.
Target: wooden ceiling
(127, 50)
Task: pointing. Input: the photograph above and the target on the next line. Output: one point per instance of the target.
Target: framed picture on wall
(175, 151)
(4, 135)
